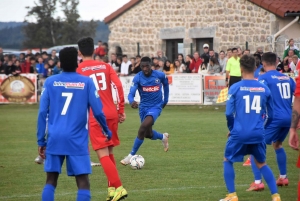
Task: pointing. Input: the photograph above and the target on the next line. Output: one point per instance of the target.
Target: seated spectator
(57, 69)
(53, 57)
(9, 67)
(160, 56)
(16, 70)
(136, 68)
(160, 66)
(194, 66)
(40, 66)
(286, 69)
(125, 66)
(168, 68)
(222, 61)
(279, 66)
(179, 67)
(181, 58)
(214, 66)
(188, 61)
(291, 46)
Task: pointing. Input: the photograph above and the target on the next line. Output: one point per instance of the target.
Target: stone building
(183, 26)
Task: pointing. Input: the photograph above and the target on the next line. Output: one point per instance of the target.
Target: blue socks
(157, 135)
(229, 176)
(281, 160)
(48, 193)
(83, 195)
(255, 170)
(270, 179)
(136, 145)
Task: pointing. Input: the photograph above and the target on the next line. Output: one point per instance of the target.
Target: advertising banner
(213, 84)
(17, 89)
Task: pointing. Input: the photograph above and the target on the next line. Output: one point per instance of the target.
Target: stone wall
(231, 23)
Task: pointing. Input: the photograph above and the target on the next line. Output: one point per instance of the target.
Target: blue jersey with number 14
(282, 88)
(245, 108)
(67, 98)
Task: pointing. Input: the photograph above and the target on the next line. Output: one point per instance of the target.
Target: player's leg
(83, 185)
(259, 153)
(80, 167)
(281, 155)
(257, 185)
(52, 167)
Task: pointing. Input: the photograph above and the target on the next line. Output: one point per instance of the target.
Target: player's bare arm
(134, 105)
(294, 139)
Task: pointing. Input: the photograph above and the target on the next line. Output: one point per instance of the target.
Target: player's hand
(42, 151)
(294, 139)
(108, 135)
(164, 105)
(228, 134)
(122, 117)
(134, 105)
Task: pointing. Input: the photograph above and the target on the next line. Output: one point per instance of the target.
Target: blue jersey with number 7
(247, 102)
(282, 88)
(67, 98)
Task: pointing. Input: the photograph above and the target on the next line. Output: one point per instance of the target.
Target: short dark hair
(229, 49)
(146, 61)
(44, 53)
(138, 56)
(210, 50)
(247, 50)
(269, 58)
(132, 58)
(222, 51)
(99, 41)
(86, 46)
(68, 59)
(124, 55)
(32, 58)
(234, 49)
(247, 63)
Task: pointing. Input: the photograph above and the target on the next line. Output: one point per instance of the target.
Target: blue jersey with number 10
(67, 98)
(282, 88)
(245, 108)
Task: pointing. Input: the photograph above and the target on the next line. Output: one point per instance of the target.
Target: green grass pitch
(191, 170)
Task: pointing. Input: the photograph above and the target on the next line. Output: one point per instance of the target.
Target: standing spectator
(286, 69)
(214, 66)
(168, 68)
(9, 67)
(57, 69)
(51, 63)
(258, 65)
(290, 54)
(53, 57)
(212, 53)
(113, 62)
(203, 67)
(131, 66)
(205, 55)
(14, 58)
(294, 63)
(279, 65)
(2, 68)
(1, 55)
(222, 61)
(125, 66)
(291, 46)
(160, 56)
(188, 61)
(25, 67)
(259, 51)
(160, 66)
(229, 53)
(5, 60)
(155, 61)
(181, 58)
(246, 52)
(179, 67)
(100, 50)
(29, 52)
(137, 68)
(22, 58)
(16, 70)
(194, 66)
(45, 57)
(40, 66)
(32, 68)
(47, 71)
(98, 58)
(233, 68)
(240, 52)
(105, 59)
(119, 62)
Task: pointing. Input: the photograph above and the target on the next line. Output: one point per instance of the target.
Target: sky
(14, 10)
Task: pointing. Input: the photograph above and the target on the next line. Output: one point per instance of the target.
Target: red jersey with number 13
(105, 78)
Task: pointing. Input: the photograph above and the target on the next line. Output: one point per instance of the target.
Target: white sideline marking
(132, 191)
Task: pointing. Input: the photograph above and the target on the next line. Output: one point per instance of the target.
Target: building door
(201, 41)
(174, 47)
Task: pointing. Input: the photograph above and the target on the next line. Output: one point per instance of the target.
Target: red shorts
(298, 162)
(98, 140)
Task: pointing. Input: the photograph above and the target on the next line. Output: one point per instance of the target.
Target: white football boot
(126, 160)
(39, 160)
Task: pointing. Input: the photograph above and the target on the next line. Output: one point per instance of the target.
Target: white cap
(205, 45)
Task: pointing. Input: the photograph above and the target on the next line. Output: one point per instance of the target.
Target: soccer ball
(137, 162)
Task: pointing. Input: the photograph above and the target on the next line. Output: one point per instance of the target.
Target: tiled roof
(279, 7)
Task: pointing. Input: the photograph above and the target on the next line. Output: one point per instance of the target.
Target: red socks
(298, 190)
(111, 172)
(112, 158)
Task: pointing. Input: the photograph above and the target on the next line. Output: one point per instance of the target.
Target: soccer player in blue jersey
(149, 85)
(247, 101)
(282, 88)
(67, 98)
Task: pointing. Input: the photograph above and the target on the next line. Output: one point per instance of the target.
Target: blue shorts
(274, 134)
(76, 165)
(235, 152)
(154, 112)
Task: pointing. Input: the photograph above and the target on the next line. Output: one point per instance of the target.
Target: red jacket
(100, 51)
(195, 65)
(25, 67)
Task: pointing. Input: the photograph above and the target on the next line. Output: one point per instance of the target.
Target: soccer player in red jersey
(104, 78)
(294, 139)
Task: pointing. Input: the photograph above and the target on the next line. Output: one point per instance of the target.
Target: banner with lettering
(18, 89)
(213, 84)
